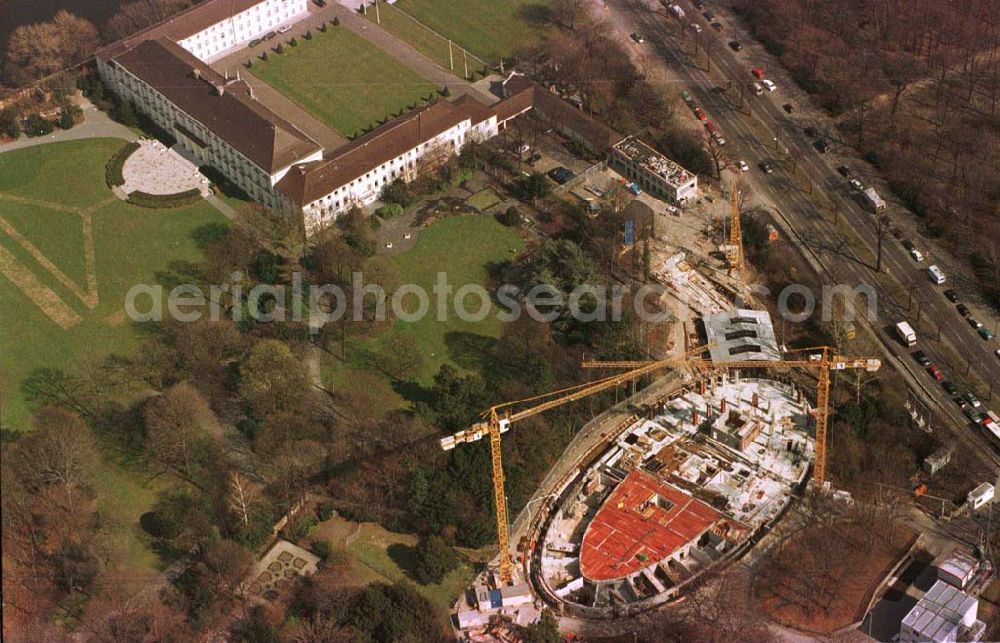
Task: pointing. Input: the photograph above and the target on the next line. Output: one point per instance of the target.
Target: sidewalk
(96, 124)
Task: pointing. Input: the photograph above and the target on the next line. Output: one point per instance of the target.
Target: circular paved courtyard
(156, 169)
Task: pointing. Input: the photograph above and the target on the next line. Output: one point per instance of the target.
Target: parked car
(951, 295)
(766, 167)
(917, 255)
(997, 353)
(821, 145)
(935, 372)
(743, 166)
(985, 333)
(973, 400)
(756, 89)
(974, 416)
(949, 387)
(699, 4)
(284, 28)
(908, 244)
(560, 174)
(963, 310)
(695, 27)
(686, 97)
(788, 107)
(717, 25)
(700, 113)
(769, 85)
(320, 3)
(735, 45)
(270, 34)
(856, 184)
(922, 358)
(256, 41)
(844, 171)
(975, 323)
(637, 37)
(758, 73)
(709, 15)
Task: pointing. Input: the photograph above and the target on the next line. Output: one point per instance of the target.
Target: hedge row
(113, 170)
(144, 200)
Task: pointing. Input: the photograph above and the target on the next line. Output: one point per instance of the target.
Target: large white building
(241, 26)
(356, 173)
(215, 119)
(163, 71)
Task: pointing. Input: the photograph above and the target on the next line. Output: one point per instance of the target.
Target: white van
(757, 89)
(936, 275)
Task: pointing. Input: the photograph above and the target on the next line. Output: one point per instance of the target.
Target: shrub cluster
(113, 169)
(145, 200)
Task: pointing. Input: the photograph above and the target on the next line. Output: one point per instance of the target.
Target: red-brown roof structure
(181, 25)
(223, 105)
(310, 181)
(642, 522)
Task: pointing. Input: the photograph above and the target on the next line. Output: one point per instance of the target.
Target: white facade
(198, 140)
(237, 30)
(653, 172)
(366, 188)
(980, 496)
(943, 614)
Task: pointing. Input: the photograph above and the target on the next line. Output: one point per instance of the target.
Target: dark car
(908, 244)
(320, 3)
(821, 145)
(951, 295)
(949, 388)
(270, 34)
(788, 107)
(922, 358)
(810, 132)
(735, 45)
(699, 4)
(560, 174)
(256, 41)
(766, 167)
(844, 171)
(709, 15)
(963, 310)
(717, 26)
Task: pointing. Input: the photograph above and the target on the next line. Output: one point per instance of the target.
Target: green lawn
(423, 39)
(462, 247)
(490, 29)
(344, 80)
(73, 177)
(131, 245)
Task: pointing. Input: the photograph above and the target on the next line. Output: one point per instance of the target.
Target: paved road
(823, 241)
(96, 124)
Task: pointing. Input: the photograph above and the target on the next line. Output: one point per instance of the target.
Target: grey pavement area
(156, 169)
(96, 124)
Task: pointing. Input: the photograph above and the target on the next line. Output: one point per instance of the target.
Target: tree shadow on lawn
(535, 14)
(471, 351)
(208, 234)
(412, 391)
(405, 557)
(179, 272)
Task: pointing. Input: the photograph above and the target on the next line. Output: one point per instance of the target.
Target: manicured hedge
(144, 200)
(113, 169)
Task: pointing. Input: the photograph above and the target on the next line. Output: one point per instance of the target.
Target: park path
(96, 124)
(40, 294)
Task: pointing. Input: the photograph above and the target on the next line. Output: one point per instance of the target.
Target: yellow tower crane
(734, 251)
(822, 360)
(497, 420)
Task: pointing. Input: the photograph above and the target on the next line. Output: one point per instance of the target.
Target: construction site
(677, 493)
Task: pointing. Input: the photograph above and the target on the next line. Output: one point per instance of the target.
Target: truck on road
(872, 200)
(906, 333)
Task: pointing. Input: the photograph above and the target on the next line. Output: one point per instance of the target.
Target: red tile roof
(224, 106)
(310, 181)
(181, 25)
(636, 527)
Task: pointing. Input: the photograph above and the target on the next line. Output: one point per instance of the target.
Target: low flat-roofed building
(741, 334)
(958, 569)
(643, 522)
(980, 496)
(945, 613)
(653, 172)
(937, 460)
